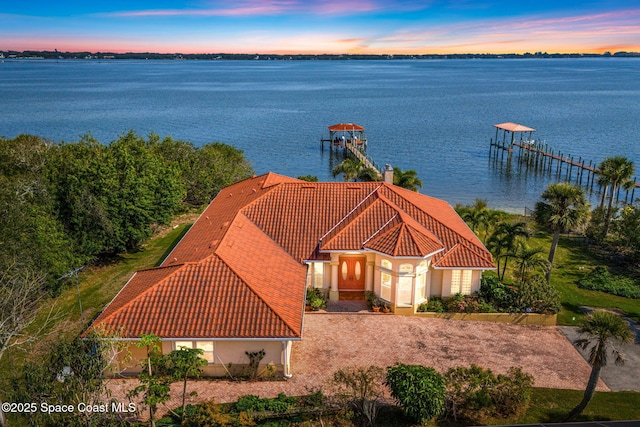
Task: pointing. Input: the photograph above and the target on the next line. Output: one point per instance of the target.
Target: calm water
(432, 116)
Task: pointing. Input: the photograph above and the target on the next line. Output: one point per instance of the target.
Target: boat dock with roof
(537, 154)
(350, 138)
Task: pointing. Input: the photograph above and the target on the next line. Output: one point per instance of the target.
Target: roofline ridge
(160, 267)
(247, 283)
(380, 229)
(435, 219)
(407, 219)
(401, 232)
(267, 190)
(350, 212)
(411, 230)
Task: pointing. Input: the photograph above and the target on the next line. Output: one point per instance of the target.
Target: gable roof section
(442, 220)
(403, 241)
(464, 255)
(195, 302)
(379, 225)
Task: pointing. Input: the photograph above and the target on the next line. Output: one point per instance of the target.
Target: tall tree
(154, 383)
(602, 329)
(475, 215)
(564, 207)
(617, 172)
(21, 296)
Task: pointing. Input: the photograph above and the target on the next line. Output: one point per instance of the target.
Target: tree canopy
(66, 204)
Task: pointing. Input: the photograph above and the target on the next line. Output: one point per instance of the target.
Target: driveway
(333, 341)
(617, 377)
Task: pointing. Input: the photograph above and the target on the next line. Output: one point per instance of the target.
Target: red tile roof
(238, 272)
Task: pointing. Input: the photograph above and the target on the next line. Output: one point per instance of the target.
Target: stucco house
(236, 281)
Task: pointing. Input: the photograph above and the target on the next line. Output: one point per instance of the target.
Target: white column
(369, 277)
(333, 294)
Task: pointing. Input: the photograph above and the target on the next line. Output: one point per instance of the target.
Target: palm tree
(563, 208)
(353, 170)
(369, 175)
(503, 240)
(406, 179)
(528, 259)
(475, 215)
(617, 171)
(349, 168)
(602, 327)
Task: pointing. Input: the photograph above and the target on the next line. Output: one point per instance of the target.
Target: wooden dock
(538, 156)
(364, 158)
(350, 138)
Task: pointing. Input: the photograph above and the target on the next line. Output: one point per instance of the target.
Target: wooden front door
(351, 273)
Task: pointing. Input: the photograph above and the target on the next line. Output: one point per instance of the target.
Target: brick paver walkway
(332, 341)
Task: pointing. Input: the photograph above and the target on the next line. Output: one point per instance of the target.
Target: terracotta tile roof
(238, 272)
(275, 277)
(199, 300)
(403, 241)
(297, 215)
(205, 235)
(463, 255)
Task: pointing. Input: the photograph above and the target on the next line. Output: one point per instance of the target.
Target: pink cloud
(262, 8)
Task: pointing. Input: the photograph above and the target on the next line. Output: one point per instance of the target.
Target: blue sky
(332, 26)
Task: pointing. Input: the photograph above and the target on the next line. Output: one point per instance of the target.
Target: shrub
(474, 393)
(419, 390)
(537, 296)
(433, 305)
(316, 299)
(501, 296)
(600, 279)
(512, 392)
(372, 299)
(360, 388)
(252, 403)
(456, 304)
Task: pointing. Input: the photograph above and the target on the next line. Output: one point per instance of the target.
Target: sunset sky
(331, 26)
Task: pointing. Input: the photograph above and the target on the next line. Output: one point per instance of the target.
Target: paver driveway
(332, 341)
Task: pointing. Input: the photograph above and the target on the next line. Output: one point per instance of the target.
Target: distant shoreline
(9, 54)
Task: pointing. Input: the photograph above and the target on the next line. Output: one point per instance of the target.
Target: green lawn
(546, 406)
(572, 261)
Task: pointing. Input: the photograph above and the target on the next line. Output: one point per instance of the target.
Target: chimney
(388, 174)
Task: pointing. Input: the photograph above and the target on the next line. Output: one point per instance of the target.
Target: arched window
(386, 264)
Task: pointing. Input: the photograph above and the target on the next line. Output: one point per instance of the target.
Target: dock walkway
(539, 156)
(358, 154)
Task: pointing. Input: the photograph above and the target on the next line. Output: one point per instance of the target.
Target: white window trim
(180, 343)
